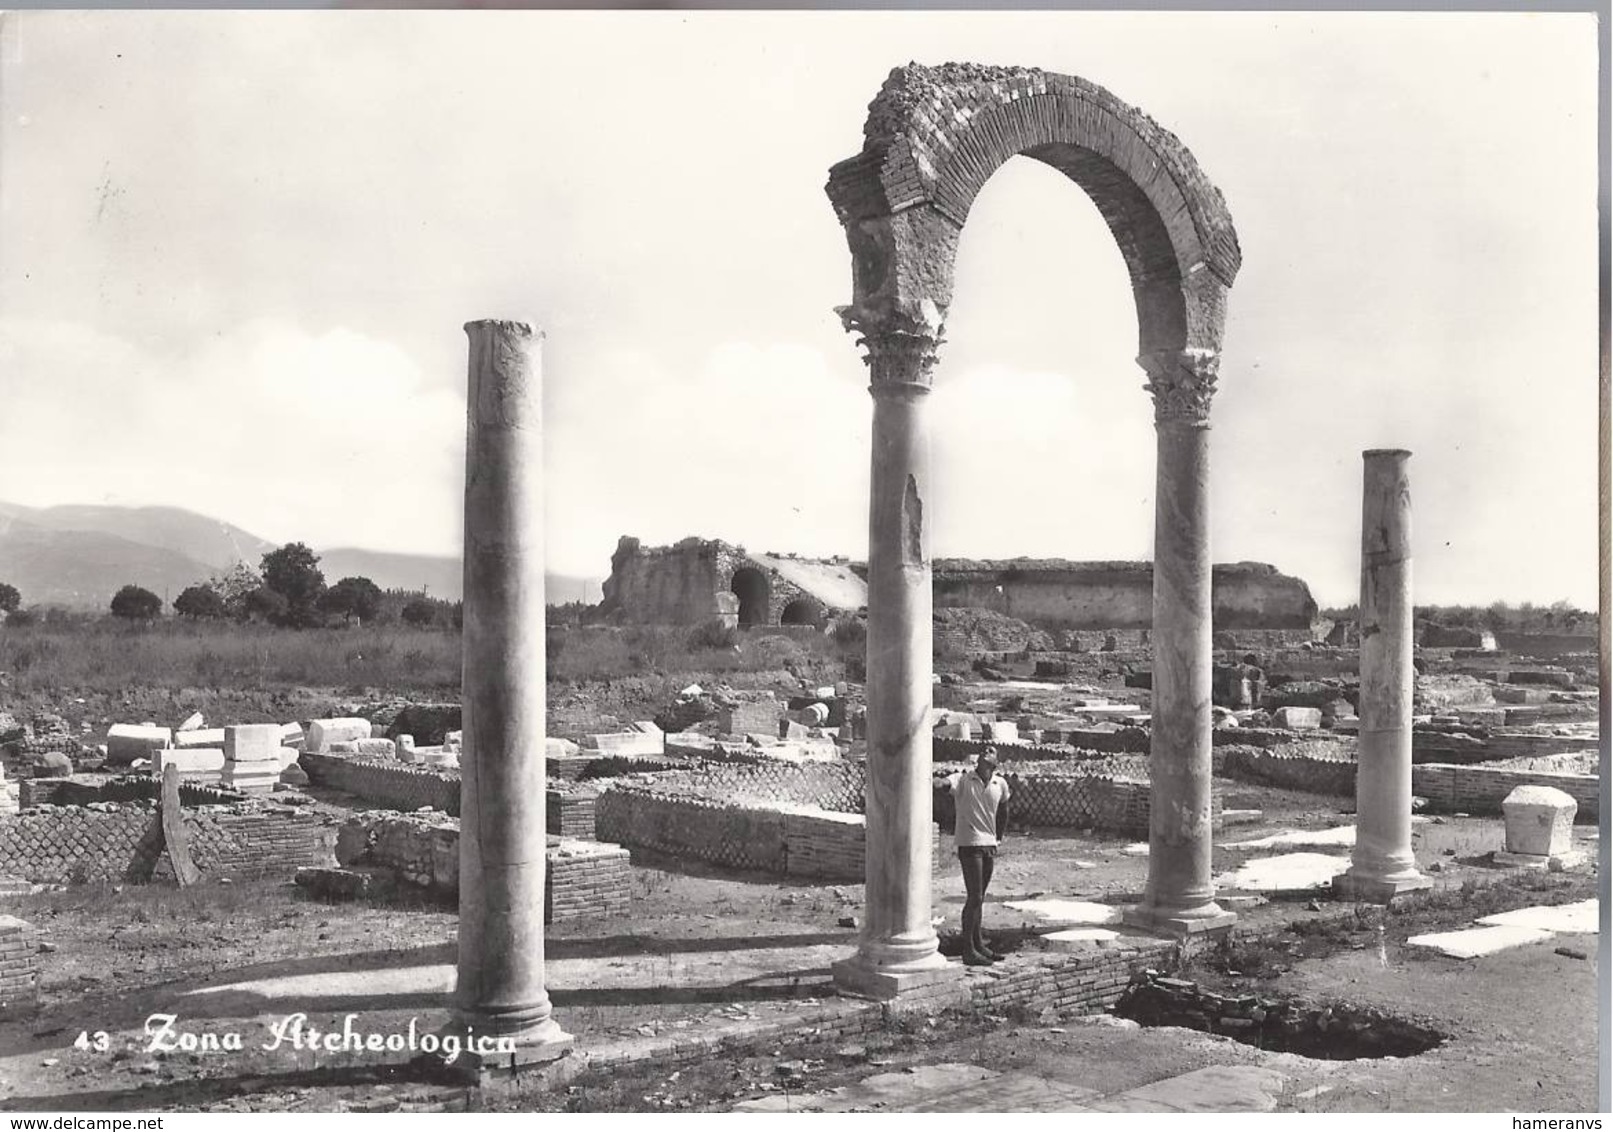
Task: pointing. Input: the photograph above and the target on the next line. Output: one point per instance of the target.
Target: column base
(1378, 890)
(856, 976)
(1177, 925)
(1554, 862)
(537, 1050)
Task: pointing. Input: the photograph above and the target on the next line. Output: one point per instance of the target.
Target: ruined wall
(1481, 790)
(1117, 595)
(19, 967)
(693, 581)
(123, 841)
(385, 782)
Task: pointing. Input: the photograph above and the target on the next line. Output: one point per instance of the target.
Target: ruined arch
(750, 585)
(801, 611)
(935, 135)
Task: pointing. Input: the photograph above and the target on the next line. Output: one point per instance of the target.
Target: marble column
(502, 844)
(897, 949)
(1382, 865)
(1179, 898)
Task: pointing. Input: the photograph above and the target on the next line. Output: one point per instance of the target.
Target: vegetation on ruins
(136, 603)
(1498, 617)
(200, 602)
(10, 599)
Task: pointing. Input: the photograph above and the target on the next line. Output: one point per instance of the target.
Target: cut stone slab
(344, 729)
(1216, 1088)
(1286, 872)
(1470, 943)
(200, 737)
(1581, 917)
(1136, 849)
(1297, 718)
(1337, 835)
(1067, 911)
(126, 742)
(1075, 939)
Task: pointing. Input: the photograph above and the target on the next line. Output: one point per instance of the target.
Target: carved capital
(1182, 383)
(900, 352)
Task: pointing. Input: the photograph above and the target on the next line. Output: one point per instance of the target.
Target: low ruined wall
(19, 967)
(123, 842)
(1316, 772)
(1481, 746)
(583, 878)
(1481, 790)
(570, 814)
(385, 782)
(1110, 795)
(828, 785)
(781, 838)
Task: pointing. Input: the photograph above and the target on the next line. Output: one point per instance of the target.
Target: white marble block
(252, 743)
(323, 732)
(126, 742)
(1540, 821)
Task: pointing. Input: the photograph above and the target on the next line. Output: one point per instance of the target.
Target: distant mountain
(211, 541)
(80, 555)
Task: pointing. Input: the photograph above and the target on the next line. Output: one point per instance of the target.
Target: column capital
(1182, 383)
(900, 352)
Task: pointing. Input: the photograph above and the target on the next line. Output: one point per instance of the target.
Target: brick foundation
(1481, 790)
(19, 971)
(385, 782)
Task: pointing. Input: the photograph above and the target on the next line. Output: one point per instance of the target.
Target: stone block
(193, 722)
(191, 761)
(126, 742)
(1002, 731)
(375, 748)
(323, 732)
(1297, 718)
(959, 729)
(253, 743)
(200, 737)
(1539, 820)
(256, 778)
(626, 743)
(291, 734)
(762, 716)
(287, 756)
(560, 748)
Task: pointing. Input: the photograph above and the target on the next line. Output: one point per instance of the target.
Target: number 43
(99, 1041)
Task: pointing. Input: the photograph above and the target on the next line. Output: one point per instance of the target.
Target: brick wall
(828, 785)
(75, 845)
(781, 838)
(1450, 788)
(1482, 746)
(1292, 770)
(570, 814)
(385, 782)
(583, 877)
(1109, 794)
(19, 972)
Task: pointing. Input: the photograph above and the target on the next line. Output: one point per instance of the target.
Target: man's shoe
(994, 956)
(974, 959)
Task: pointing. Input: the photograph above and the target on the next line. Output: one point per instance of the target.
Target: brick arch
(935, 135)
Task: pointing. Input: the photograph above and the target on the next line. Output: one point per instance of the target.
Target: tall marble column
(1179, 898)
(897, 949)
(1382, 865)
(502, 843)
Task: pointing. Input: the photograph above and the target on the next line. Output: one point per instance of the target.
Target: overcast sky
(237, 251)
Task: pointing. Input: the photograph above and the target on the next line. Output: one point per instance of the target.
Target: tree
(201, 602)
(419, 612)
(352, 598)
(232, 586)
(263, 604)
(133, 603)
(10, 599)
(293, 573)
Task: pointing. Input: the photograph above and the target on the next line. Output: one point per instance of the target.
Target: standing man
(981, 803)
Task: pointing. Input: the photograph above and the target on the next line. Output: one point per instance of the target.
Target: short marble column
(1382, 865)
(502, 845)
(1179, 898)
(897, 949)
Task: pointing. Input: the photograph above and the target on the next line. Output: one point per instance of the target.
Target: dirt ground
(116, 955)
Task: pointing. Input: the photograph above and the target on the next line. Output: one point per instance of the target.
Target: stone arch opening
(751, 587)
(933, 137)
(801, 611)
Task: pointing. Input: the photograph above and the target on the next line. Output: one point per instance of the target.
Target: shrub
(420, 612)
(352, 598)
(10, 599)
(202, 603)
(135, 603)
(713, 634)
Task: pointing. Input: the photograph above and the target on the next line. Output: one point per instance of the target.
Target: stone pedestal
(898, 948)
(1381, 865)
(503, 847)
(1179, 898)
(1540, 828)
